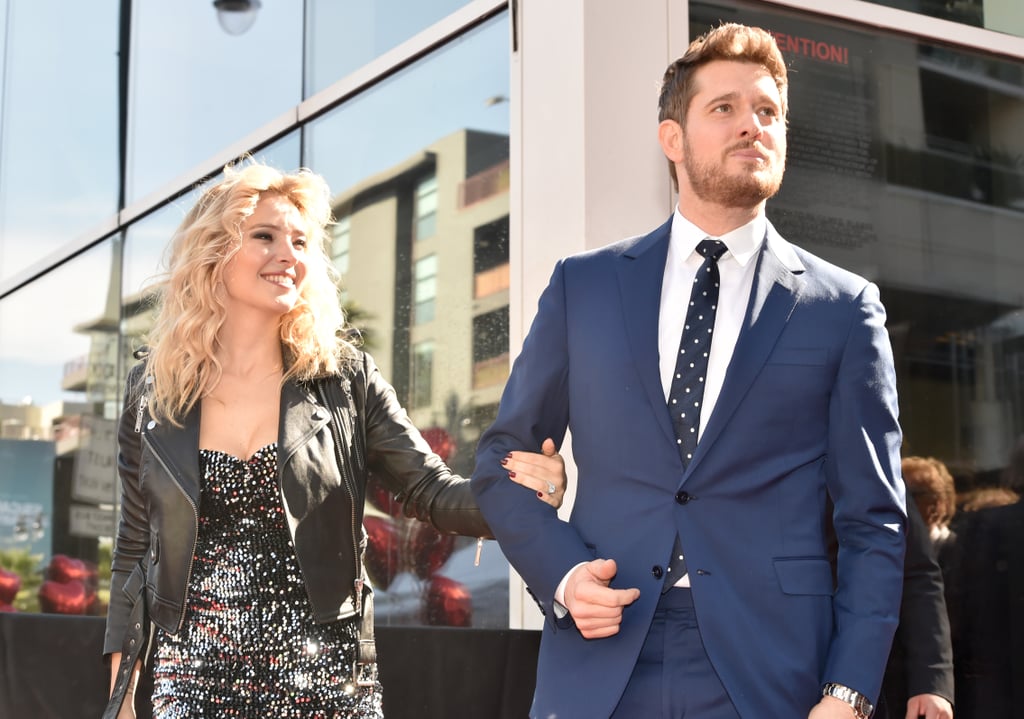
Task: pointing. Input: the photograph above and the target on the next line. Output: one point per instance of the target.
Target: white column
(586, 166)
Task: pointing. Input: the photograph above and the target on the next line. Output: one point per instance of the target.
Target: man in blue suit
(798, 408)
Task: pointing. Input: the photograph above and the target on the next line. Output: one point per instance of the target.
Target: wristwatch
(862, 708)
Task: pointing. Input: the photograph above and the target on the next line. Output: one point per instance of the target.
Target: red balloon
(64, 597)
(65, 569)
(383, 550)
(430, 549)
(10, 583)
(447, 603)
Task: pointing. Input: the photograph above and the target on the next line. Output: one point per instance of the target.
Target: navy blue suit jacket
(808, 410)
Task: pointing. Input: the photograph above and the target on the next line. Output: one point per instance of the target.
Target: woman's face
(267, 271)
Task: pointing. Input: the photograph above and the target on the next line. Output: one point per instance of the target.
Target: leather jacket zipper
(143, 401)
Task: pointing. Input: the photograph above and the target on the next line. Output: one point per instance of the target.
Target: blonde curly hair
(190, 307)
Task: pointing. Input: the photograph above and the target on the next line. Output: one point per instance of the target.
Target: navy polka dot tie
(687, 393)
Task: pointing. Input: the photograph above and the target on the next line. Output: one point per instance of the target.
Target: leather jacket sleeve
(133, 530)
(403, 460)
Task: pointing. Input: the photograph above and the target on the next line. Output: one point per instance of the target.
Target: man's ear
(670, 136)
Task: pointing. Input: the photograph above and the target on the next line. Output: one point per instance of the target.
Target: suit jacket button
(683, 497)
(657, 572)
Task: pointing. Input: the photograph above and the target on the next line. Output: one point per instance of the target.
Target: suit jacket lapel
(641, 270)
(777, 285)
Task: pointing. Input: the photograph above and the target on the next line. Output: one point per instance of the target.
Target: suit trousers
(673, 677)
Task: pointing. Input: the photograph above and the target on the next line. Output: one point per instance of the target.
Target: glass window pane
(904, 166)
(343, 36)
(422, 374)
(426, 208)
(1002, 15)
(59, 400)
(195, 89)
(378, 164)
(58, 126)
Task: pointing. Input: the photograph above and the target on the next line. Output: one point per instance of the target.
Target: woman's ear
(670, 136)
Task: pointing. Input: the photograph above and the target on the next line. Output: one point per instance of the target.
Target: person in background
(931, 485)
(919, 674)
(247, 435)
(990, 642)
(721, 385)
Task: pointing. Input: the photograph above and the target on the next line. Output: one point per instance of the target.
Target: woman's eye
(263, 236)
(300, 243)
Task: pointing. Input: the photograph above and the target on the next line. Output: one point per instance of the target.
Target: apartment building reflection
(422, 249)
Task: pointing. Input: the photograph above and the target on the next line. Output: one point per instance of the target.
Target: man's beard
(711, 184)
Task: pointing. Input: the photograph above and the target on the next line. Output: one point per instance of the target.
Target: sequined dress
(249, 646)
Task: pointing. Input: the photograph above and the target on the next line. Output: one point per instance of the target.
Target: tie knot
(711, 249)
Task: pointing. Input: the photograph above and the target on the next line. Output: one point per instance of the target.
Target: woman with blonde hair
(247, 436)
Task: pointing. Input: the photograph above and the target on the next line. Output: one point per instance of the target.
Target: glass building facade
(468, 145)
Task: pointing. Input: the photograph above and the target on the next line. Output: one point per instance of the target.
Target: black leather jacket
(159, 468)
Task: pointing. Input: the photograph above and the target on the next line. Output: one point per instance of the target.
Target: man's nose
(751, 126)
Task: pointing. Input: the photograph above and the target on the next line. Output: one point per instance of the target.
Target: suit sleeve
(534, 406)
(864, 480)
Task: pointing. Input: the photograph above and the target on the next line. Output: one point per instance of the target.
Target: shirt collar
(743, 242)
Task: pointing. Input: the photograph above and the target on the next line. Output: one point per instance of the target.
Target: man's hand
(596, 608)
(930, 706)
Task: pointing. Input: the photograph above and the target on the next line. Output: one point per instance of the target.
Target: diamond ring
(551, 488)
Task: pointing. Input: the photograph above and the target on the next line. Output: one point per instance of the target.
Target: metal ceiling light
(236, 16)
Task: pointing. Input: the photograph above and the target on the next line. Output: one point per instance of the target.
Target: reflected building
(422, 249)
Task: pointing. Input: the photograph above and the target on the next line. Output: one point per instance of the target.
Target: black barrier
(51, 668)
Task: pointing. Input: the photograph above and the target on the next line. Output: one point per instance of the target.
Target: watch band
(862, 708)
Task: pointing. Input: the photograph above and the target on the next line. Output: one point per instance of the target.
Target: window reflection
(1001, 15)
(905, 166)
(424, 262)
(342, 37)
(59, 108)
(425, 293)
(196, 89)
(59, 398)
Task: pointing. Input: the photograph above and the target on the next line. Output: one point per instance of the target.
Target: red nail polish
(511, 474)
(504, 460)
(540, 495)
